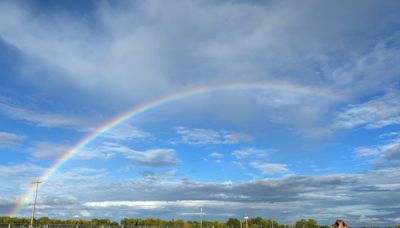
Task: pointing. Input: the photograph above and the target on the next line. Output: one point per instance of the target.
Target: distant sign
(246, 217)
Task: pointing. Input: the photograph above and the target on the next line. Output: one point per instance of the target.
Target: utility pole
(34, 202)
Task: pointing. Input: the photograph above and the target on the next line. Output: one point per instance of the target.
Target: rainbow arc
(145, 107)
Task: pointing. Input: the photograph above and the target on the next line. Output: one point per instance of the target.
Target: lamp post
(201, 217)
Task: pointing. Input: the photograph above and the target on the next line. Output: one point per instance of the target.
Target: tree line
(257, 222)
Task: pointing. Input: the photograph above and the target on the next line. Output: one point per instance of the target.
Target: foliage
(310, 223)
(233, 223)
(256, 222)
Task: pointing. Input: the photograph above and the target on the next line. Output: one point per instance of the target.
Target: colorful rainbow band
(143, 108)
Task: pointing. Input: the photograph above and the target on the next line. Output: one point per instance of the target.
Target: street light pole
(245, 219)
(201, 217)
(34, 202)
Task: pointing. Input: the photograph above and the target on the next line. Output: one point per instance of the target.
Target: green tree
(233, 223)
(310, 223)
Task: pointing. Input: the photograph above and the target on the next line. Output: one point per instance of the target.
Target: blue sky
(67, 67)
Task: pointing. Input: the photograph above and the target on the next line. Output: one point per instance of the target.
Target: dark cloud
(372, 194)
(351, 196)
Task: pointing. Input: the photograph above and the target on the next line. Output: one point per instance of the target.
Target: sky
(297, 117)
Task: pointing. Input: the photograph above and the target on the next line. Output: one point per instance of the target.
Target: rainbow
(145, 107)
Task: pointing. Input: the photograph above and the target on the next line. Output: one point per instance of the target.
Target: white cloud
(363, 219)
(46, 119)
(251, 151)
(147, 205)
(389, 135)
(325, 196)
(375, 113)
(366, 151)
(8, 139)
(19, 170)
(396, 219)
(157, 176)
(126, 131)
(154, 157)
(76, 177)
(270, 168)
(53, 151)
(106, 150)
(47, 150)
(388, 187)
(197, 136)
(388, 150)
(15, 179)
(216, 155)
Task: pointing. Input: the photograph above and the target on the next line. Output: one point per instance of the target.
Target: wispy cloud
(126, 131)
(147, 205)
(9, 140)
(47, 150)
(85, 176)
(388, 150)
(154, 157)
(106, 150)
(197, 136)
(251, 151)
(389, 135)
(17, 178)
(45, 119)
(157, 176)
(19, 170)
(327, 196)
(335, 194)
(359, 76)
(216, 155)
(270, 169)
(375, 113)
